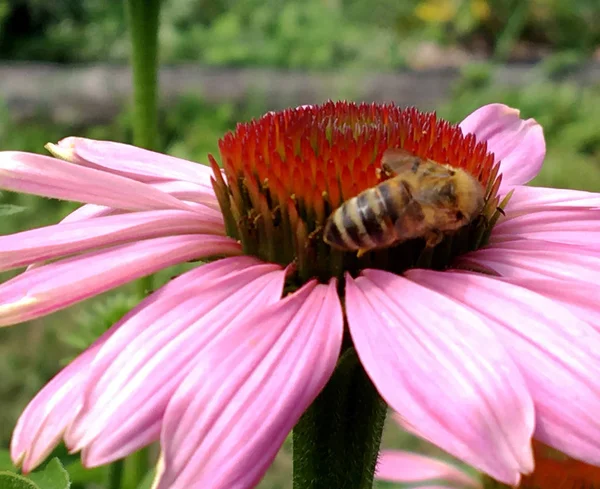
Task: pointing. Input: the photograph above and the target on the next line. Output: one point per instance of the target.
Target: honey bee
(423, 199)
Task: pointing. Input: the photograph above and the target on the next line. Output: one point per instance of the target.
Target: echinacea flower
(481, 343)
(552, 471)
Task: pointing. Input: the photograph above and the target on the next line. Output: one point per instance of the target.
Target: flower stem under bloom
(336, 442)
(287, 171)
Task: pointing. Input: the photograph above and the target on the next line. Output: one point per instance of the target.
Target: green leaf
(54, 476)
(9, 209)
(8, 480)
(5, 461)
(80, 476)
(146, 482)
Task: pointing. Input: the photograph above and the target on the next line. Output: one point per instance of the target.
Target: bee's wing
(398, 161)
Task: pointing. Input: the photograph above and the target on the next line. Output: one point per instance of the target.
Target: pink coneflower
(491, 341)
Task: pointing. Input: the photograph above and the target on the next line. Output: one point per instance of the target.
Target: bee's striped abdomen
(391, 200)
(342, 228)
(370, 213)
(367, 220)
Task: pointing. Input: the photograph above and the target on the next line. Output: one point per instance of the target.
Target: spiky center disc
(287, 171)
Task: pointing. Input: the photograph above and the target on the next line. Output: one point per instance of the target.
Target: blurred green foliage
(500, 25)
(215, 32)
(343, 33)
(567, 112)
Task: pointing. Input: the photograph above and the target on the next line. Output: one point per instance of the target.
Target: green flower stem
(336, 442)
(143, 19)
(143, 16)
(115, 474)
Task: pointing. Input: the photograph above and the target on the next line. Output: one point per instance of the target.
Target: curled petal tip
(69, 141)
(517, 143)
(506, 110)
(9, 312)
(62, 152)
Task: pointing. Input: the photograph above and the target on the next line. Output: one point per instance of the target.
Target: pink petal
(528, 258)
(158, 304)
(189, 192)
(63, 239)
(185, 191)
(570, 225)
(86, 211)
(407, 467)
(49, 177)
(581, 300)
(136, 163)
(89, 211)
(139, 369)
(519, 144)
(42, 423)
(444, 371)
(232, 413)
(52, 287)
(557, 353)
(532, 199)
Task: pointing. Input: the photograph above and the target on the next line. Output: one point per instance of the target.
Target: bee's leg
(361, 252)
(317, 234)
(433, 238)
